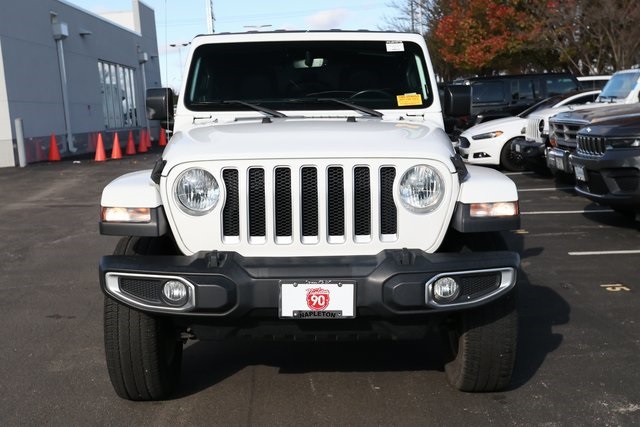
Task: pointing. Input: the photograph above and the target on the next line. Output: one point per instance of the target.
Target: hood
(309, 138)
(506, 124)
(619, 127)
(593, 115)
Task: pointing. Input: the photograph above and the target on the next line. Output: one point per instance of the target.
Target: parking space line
(524, 190)
(582, 211)
(626, 252)
(519, 173)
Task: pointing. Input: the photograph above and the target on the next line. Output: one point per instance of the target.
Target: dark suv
(504, 96)
(606, 163)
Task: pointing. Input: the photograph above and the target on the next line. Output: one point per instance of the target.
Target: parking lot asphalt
(578, 358)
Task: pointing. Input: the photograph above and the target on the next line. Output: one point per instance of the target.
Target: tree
(473, 34)
(592, 36)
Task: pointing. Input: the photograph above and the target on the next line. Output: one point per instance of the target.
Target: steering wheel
(370, 93)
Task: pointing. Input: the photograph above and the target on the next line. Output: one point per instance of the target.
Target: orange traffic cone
(100, 154)
(131, 146)
(163, 138)
(116, 152)
(54, 153)
(142, 145)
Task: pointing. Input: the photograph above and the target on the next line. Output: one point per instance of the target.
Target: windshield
(620, 85)
(303, 75)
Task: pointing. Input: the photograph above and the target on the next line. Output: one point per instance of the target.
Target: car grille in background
(565, 134)
(533, 130)
(337, 214)
(591, 146)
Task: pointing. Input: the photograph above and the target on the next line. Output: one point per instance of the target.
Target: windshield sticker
(409, 99)
(395, 46)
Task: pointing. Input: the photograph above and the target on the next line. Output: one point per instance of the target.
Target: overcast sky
(178, 21)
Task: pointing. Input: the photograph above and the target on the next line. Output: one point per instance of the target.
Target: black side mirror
(160, 104)
(457, 100)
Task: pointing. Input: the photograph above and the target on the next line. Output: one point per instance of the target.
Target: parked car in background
(606, 163)
(593, 82)
(490, 143)
(618, 90)
(495, 97)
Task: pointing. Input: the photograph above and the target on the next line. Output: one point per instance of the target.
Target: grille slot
(257, 209)
(282, 202)
(231, 211)
(361, 201)
(309, 201)
(388, 212)
(335, 201)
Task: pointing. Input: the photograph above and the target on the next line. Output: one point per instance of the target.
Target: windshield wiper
(256, 107)
(369, 111)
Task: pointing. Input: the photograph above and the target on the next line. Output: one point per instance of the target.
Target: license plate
(317, 299)
(580, 175)
(559, 163)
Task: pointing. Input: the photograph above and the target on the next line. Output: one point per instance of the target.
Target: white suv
(309, 191)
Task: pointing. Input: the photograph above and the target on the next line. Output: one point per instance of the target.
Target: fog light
(445, 289)
(175, 293)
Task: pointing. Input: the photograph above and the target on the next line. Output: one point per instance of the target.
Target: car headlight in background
(197, 191)
(631, 142)
(541, 126)
(488, 135)
(421, 189)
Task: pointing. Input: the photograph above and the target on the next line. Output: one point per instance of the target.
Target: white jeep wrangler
(309, 191)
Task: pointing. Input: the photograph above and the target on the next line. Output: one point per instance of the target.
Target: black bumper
(612, 179)
(225, 285)
(529, 150)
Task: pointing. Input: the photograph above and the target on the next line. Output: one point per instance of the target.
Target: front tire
(481, 346)
(143, 351)
(510, 159)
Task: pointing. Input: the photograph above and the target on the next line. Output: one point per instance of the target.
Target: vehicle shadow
(207, 363)
(540, 309)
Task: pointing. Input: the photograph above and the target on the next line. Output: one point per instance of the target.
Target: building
(71, 73)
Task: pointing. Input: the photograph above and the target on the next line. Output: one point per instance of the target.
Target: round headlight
(541, 126)
(421, 189)
(197, 191)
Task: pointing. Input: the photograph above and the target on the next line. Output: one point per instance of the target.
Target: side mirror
(457, 100)
(160, 104)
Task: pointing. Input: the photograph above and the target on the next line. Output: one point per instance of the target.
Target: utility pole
(211, 18)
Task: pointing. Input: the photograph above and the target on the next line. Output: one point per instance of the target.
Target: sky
(178, 21)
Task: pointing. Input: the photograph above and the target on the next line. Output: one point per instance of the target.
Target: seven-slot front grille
(591, 145)
(303, 198)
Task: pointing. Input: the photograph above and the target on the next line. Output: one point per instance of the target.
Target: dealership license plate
(317, 299)
(559, 163)
(580, 175)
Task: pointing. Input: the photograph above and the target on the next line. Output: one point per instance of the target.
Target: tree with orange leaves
(472, 34)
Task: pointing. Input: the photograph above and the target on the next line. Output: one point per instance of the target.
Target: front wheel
(510, 159)
(143, 351)
(481, 346)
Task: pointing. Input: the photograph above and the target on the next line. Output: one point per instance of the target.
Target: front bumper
(558, 160)
(226, 285)
(612, 179)
(529, 150)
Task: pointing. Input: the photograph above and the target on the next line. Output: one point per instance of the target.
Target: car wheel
(143, 351)
(510, 159)
(481, 346)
